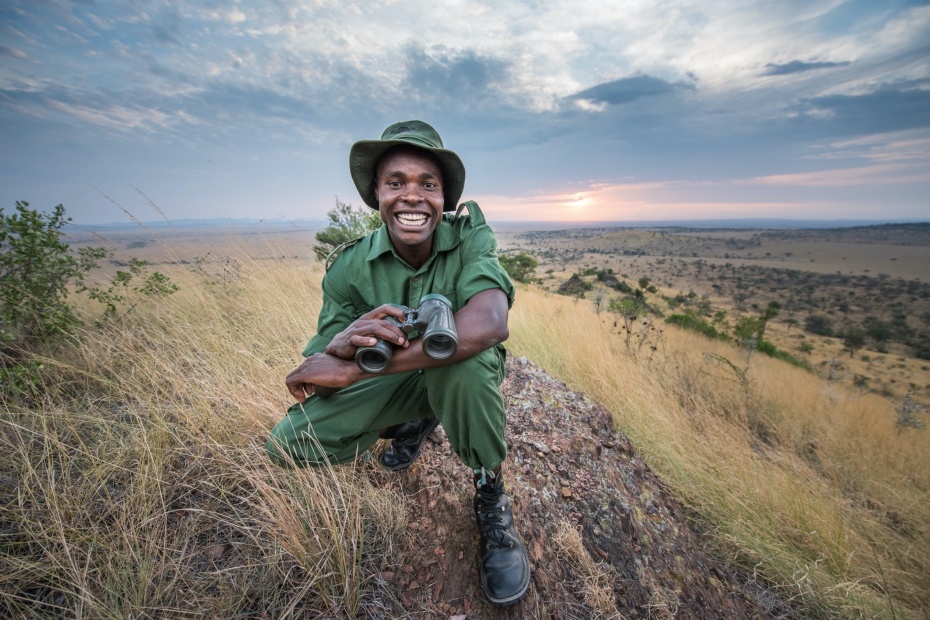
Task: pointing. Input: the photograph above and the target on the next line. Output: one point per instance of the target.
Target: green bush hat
(364, 156)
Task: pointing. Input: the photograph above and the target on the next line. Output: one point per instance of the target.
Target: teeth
(412, 219)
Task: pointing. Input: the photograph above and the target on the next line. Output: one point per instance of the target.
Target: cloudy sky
(561, 109)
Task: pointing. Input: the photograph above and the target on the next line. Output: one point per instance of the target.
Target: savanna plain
(784, 408)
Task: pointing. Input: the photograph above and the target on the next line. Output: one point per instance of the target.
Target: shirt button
(416, 278)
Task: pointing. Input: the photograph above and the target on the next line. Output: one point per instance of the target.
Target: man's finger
(387, 310)
(363, 341)
(300, 390)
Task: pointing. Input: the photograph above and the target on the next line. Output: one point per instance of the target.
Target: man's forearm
(480, 324)
(322, 374)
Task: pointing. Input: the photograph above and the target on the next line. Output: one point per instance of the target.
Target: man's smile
(412, 219)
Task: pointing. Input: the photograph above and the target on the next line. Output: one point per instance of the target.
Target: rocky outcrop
(605, 539)
(574, 286)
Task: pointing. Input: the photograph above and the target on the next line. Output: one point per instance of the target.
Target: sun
(579, 201)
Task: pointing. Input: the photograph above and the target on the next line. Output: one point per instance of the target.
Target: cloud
(166, 26)
(445, 74)
(847, 177)
(627, 90)
(118, 116)
(11, 52)
(799, 66)
(884, 109)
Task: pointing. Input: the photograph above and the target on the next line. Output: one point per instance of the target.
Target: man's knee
(294, 441)
(482, 371)
(283, 446)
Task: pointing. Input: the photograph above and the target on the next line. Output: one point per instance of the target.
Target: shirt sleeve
(481, 270)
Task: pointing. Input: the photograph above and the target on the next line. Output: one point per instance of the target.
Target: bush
(766, 347)
(695, 323)
(37, 270)
(346, 223)
(818, 324)
(520, 267)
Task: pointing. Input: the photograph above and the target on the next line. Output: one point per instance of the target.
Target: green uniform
(465, 396)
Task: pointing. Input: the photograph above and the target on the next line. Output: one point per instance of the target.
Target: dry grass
(811, 489)
(594, 582)
(138, 486)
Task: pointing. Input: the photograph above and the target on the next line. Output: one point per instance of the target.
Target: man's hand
(366, 330)
(321, 374)
(481, 324)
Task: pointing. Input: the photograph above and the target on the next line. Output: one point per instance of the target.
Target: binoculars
(432, 319)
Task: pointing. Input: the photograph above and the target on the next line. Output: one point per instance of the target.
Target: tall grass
(809, 488)
(138, 486)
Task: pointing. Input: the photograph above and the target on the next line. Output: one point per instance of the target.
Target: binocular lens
(439, 346)
(373, 359)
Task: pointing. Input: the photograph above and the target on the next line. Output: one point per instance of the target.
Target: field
(136, 485)
(843, 275)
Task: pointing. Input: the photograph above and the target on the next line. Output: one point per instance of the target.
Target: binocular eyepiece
(432, 319)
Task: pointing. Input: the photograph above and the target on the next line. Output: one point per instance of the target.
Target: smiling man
(420, 249)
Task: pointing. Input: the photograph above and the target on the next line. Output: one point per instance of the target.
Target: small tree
(748, 332)
(37, 272)
(520, 267)
(818, 324)
(598, 301)
(346, 222)
(771, 311)
(853, 340)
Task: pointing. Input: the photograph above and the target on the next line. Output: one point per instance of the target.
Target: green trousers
(464, 396)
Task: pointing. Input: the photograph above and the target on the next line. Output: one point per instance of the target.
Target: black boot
(504, 565)
(408, 439)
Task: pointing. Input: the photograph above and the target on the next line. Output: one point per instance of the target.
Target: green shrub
(346, 223)
(818, 324)
(37, 272)
(695, 323)
(520, 267)
(766, 347)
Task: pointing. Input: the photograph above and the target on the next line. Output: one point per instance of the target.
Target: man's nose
(413, 194)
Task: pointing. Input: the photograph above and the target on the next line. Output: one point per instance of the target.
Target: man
(341, 411)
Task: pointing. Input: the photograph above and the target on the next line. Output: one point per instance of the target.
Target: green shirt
(369, 273)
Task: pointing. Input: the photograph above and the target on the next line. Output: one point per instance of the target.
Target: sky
(562, 110)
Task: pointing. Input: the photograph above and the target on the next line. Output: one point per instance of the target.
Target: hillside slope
(604, 537)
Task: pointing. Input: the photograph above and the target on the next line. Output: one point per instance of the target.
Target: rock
(582, 502)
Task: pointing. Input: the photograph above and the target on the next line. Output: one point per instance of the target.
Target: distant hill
(707, 225)
(269, 223)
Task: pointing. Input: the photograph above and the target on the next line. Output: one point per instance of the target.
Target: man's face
(408, 185)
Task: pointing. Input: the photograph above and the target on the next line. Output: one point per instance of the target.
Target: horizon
(731, 223)
(560, 111)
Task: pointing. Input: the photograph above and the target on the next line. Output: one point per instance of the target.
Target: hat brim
(363, 161)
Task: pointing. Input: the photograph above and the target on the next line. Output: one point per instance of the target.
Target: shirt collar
(444, 239)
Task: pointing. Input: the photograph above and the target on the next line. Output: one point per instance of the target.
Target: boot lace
(490, 515)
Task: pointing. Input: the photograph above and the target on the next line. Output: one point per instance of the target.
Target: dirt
(568, 469)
